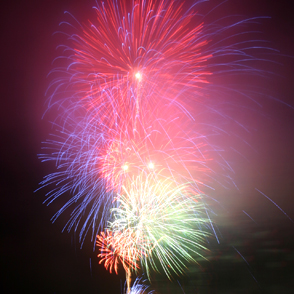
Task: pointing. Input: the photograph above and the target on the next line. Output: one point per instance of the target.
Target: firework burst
(135, 135)
(165, 223)
(138, 50)
(118, 248)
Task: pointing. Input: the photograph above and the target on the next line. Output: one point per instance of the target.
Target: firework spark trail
(139, 288)
(135, 80)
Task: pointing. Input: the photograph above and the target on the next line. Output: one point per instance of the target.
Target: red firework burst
(116, 248)
(136, 54)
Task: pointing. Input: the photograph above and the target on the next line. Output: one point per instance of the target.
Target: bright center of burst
(138, 76)
(125, 167)
(151, 165)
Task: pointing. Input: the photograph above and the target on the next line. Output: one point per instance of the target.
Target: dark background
(37, 258)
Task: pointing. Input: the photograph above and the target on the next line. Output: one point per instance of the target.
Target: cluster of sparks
(131, 145)
(163, 220)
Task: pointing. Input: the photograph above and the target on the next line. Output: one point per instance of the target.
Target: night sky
(37, 258)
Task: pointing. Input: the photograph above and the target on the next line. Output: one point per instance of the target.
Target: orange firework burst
(116, 248)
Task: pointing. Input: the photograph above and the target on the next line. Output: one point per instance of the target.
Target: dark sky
(38, 258)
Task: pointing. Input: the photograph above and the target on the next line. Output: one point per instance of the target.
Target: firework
(178, 154)
(165, 224)
(138, 288)
(143, 53)
(139, 116)
(97, 168)
(118, 248)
